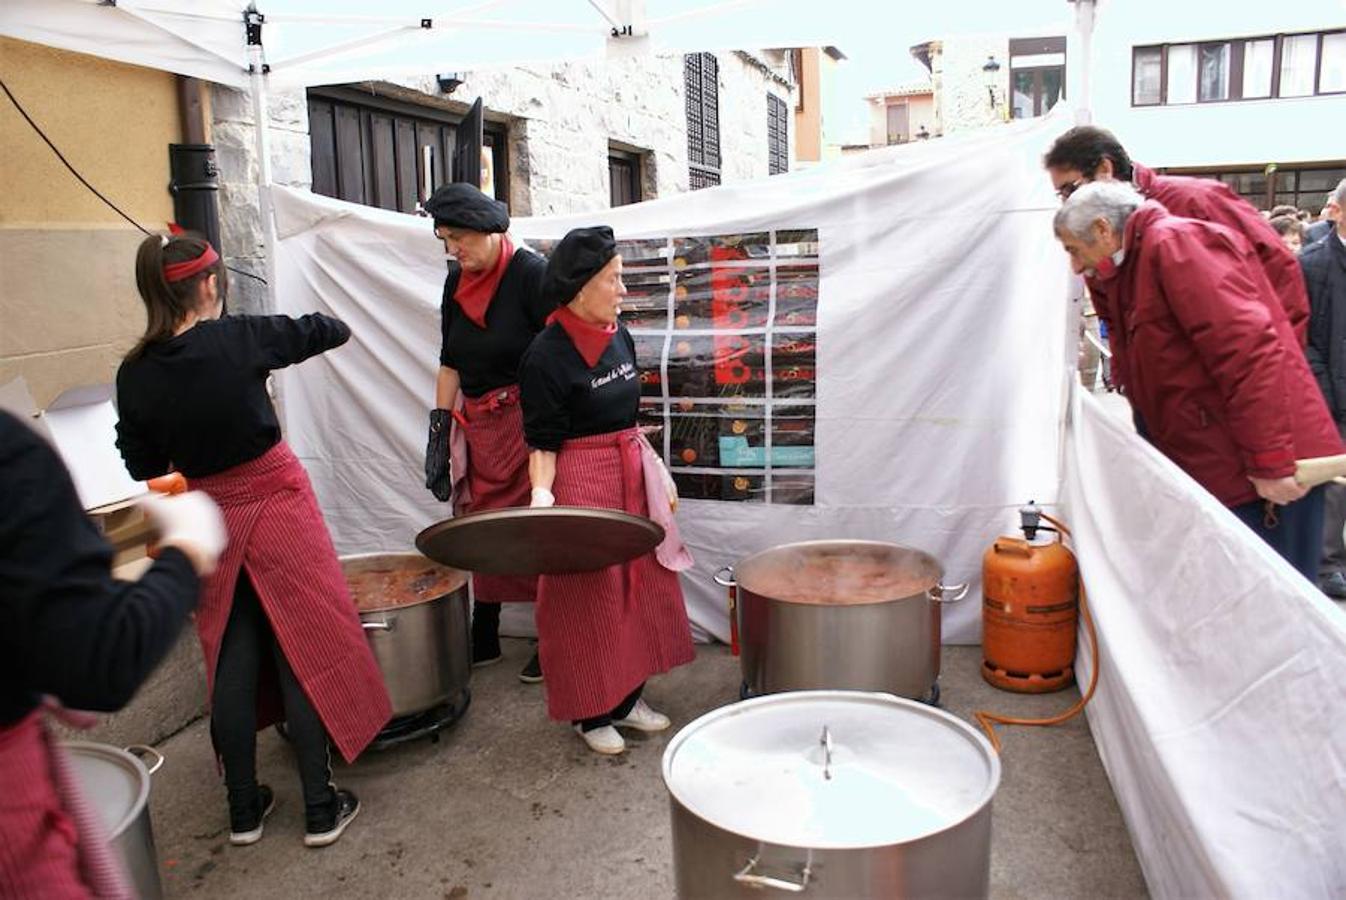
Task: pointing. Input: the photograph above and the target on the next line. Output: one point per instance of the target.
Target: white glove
(192, 523)
(542, 498)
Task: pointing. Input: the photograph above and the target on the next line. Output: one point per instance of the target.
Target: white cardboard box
(81, 425)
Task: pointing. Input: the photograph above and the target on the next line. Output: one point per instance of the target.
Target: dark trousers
(1334, 520)
(247, 644)
(620, 711)
(1297, 533)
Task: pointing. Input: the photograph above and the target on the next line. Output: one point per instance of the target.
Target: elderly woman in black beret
(491, 310)
(601, 634)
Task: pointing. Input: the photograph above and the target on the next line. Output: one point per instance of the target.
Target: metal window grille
(777, 135)
(702, 75)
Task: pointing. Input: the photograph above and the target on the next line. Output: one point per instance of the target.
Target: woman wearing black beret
(601, 634)
(491, 310)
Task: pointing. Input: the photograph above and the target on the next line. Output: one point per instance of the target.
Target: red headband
(184, 270)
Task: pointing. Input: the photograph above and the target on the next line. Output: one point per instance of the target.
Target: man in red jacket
(1214, 368)
(1085, 154)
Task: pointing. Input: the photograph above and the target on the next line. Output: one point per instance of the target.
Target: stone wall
(561, 121)
(961, 84)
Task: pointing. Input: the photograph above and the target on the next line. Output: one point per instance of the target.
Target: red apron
(52, 844)
(602, 633)
(497, 478)
(277, 532)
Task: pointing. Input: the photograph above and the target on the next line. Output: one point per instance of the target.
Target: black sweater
(563, 398)
(488, 358)
(197, 402)
(70, 629)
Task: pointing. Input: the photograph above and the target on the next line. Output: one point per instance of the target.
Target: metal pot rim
(747, 562)
(117, 756)
(975, 809)
(419, 558)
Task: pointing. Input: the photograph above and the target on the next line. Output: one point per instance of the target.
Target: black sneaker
(1334, 586)
(326, 827)
(532, 673)
(247, 815)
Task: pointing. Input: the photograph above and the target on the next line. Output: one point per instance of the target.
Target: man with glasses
(1085, 154)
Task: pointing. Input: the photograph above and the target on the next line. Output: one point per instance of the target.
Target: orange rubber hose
(988, 720)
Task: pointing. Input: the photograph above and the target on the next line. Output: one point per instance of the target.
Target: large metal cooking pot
(855, 615)
(117, 784)
(834, 794)
(415, 614)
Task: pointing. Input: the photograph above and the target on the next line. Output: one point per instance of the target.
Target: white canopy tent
(1222, 670)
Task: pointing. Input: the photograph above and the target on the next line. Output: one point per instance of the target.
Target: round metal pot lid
(897, 770)
(544, 541)
(113, 782)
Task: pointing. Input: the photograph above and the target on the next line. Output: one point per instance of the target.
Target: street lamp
(991, 67)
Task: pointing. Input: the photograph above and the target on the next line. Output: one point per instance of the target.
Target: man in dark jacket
(1214, 368)
(1330, 217)
(1324, 265)
(1085, 154)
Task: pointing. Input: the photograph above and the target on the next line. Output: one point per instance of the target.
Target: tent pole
(1084, 23)
(261, 118)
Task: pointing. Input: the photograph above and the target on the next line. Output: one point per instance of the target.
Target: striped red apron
(277, 532)
(52, 844)
(600, 634)
(497, 478)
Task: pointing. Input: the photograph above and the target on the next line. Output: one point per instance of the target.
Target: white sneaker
(642, 718)
(603, 740)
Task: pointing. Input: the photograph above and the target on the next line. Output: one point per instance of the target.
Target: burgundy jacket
(1214, 370)
(1213, 201)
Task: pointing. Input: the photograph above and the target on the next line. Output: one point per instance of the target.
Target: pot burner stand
(427, 723)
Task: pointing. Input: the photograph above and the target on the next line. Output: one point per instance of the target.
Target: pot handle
(147, 750)
(725, 577)
(388, 623)
(748, 876)
(939, 593)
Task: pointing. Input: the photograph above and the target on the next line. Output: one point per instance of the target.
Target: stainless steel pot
(415, 614)
(832, 794)
(117, 784)
(855, 615)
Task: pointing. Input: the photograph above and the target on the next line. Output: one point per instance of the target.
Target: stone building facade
(560, 124)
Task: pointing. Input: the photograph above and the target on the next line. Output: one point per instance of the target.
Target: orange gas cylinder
(1030, 604)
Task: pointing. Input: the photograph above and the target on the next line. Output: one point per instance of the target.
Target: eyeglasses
(1070, 187)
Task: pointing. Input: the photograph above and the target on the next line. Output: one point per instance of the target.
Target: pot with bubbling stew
(415, 615)
(840, 615)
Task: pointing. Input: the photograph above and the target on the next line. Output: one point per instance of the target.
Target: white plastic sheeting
(1219, 712)
(339, 41)
(941, 339)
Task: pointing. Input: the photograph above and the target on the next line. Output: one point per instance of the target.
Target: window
(1214, 61)
(1147, 79)
(624, 177)
(701, 72)
(1332, 71)
(1291, 65)
(777, 135)
(1301, 187)
(386, 153)
(1037, 75)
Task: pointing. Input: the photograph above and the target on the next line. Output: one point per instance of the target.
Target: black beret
(576, 259)
(460, 205)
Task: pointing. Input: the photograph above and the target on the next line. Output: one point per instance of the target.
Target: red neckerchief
(590, 340)
(476, 290)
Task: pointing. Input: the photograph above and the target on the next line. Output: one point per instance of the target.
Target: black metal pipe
(195, 187)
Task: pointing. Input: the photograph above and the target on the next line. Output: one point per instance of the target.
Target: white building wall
(1303, 129)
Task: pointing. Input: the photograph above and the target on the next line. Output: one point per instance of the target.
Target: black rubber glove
(438, 469)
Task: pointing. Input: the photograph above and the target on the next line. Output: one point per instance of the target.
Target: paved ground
(509, 805)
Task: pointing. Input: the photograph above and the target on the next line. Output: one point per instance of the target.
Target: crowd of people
(1229, 347)
(1224, 333)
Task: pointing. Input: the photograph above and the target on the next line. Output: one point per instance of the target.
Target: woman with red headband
(279, 631)
(491, 310)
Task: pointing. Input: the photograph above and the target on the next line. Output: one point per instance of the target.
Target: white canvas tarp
(940, 351)
(1223, 679)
